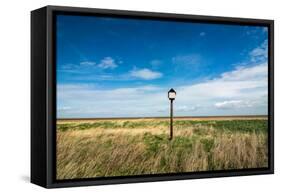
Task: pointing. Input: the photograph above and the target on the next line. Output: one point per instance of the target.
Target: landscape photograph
(148, 97)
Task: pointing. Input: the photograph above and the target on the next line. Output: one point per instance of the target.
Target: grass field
(120, 147)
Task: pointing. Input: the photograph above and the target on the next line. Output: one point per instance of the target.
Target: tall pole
(171, 120)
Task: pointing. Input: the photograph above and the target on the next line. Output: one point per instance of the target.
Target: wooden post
(171, 120)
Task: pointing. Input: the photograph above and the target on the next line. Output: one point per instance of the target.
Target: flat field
(123, 147)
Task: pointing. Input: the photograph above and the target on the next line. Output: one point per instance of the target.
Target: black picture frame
(43, 96)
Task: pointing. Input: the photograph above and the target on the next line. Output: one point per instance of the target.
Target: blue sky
(110, 67)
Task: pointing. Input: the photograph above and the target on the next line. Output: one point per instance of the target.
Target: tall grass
(120, 148)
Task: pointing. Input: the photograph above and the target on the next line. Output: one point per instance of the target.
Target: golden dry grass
(100, 150)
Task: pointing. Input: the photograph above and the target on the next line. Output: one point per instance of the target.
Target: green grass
(123, 148)
(229, 125)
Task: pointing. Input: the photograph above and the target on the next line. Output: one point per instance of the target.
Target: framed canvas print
(125, 96)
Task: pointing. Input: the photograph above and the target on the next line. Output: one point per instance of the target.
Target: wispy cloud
(145, 74)
(64, 108)
(90, 101)
(88, 63)
(241, 91)
(241, 82)
(107, 63)
(201, 72)
(134, 74)
(260, 53)
(185, 108)
(254, 32)
(85, 66)
(243, 73)
(230, 104)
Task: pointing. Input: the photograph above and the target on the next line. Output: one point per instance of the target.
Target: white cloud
(65, 108)
(260, 53)
(145, 74)
(241, 91)
(107, 63)
(88, 63)
(241, 82)
(185, 108)
(135, 74)
(243, 73)
(69, 67)
(233, 104)
(91, 101)
(74, 86)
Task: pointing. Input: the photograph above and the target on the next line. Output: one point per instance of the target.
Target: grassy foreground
(99, 148)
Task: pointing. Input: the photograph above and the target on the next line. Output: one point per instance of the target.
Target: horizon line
(159, 117)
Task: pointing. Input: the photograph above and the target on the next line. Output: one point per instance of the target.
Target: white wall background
(15, 94)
